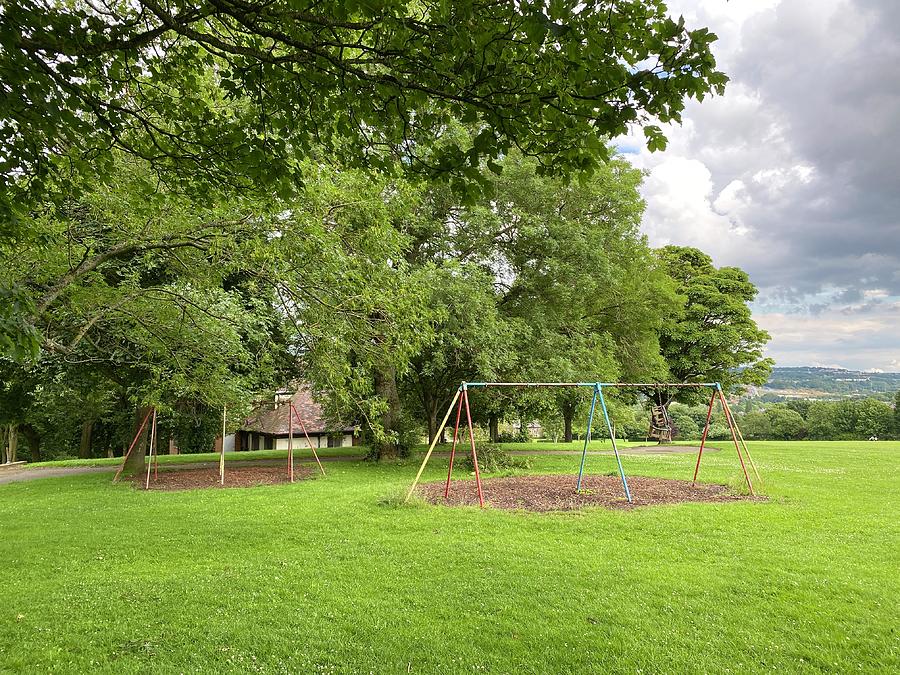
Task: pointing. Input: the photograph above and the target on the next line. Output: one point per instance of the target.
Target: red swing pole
(472, 443)
(291, 441)
(222, 452)
(133, 443)
(453, 448)
(712, 400)
(155, 448)
(734, 438)
(152, 441)
(308, 441)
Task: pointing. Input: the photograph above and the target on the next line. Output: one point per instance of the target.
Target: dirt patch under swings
(557, 493)
(245, 476)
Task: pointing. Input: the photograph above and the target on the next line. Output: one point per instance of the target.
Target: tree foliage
(711, 336)
(163, 300)
(246, 92)
(543, 280)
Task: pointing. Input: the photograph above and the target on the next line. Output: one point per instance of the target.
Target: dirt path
(25, 472)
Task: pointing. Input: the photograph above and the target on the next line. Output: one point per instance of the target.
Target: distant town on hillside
(829, 384)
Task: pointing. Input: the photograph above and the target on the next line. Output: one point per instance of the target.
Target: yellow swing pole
(222, 451)
(152, 443)
(743, 442)
(437, 437)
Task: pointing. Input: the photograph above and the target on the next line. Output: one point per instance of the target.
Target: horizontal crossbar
(657, 385)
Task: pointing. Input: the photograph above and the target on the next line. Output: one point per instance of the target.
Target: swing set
(461, 399)
(154, 454)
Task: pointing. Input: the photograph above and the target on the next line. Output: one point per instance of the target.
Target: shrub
(517, 436)
(492, 458)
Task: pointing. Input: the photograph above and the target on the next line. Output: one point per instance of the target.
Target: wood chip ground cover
(557, 493)
(192, 479)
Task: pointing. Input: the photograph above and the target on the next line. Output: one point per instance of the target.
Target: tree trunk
(567, 423)
(173, 449)
(136, 464)
(33, 439)
(432, 424)
(386, 388)
(494, 428)
(84, 447)
(13, 443)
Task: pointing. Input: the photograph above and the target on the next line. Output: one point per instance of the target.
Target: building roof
(273, 418)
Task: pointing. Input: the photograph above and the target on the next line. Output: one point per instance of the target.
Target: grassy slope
(320, 576)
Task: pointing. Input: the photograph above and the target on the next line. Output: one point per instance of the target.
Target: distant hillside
(830, 383)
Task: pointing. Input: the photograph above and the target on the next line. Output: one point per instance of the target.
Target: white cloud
(862, 343)
(792, 175)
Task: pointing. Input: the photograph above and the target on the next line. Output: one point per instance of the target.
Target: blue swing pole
(612, 437)
(587, 439)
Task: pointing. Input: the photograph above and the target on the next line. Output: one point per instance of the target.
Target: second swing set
(153, 459)
(461, 400)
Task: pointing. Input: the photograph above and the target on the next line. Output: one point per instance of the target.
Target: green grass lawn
(329, 575)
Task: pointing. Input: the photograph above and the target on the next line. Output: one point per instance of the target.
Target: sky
(794, 174)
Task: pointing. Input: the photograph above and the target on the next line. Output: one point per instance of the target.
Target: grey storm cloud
(794, 174)
(832, 81)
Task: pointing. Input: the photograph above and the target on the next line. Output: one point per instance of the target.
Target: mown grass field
(330, 575)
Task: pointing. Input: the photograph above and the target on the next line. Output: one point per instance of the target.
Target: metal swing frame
(461, 398)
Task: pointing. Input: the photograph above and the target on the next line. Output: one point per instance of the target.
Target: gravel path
(31, 473)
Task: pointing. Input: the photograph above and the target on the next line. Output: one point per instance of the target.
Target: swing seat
(661, 427)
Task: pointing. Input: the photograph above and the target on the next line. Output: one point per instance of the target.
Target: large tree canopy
(559, 285)
(712, 337)
(247, 90)
(158, 299)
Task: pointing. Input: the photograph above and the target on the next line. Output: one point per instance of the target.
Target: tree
(553, 272)
(756, 426)
(822, 421)
(785, 424)
(712, 337)
(872, 418)
(576, 271)
(686, 426)
(799, 405)
(897, 415)
(471, 339)
(182, 305)
(244, 92)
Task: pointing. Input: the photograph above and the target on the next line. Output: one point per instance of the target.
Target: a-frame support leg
(587, 439)
(437, 437)
(472, 444)
(712, 401)
(737, 447)
(612, 437)
(453, 448)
